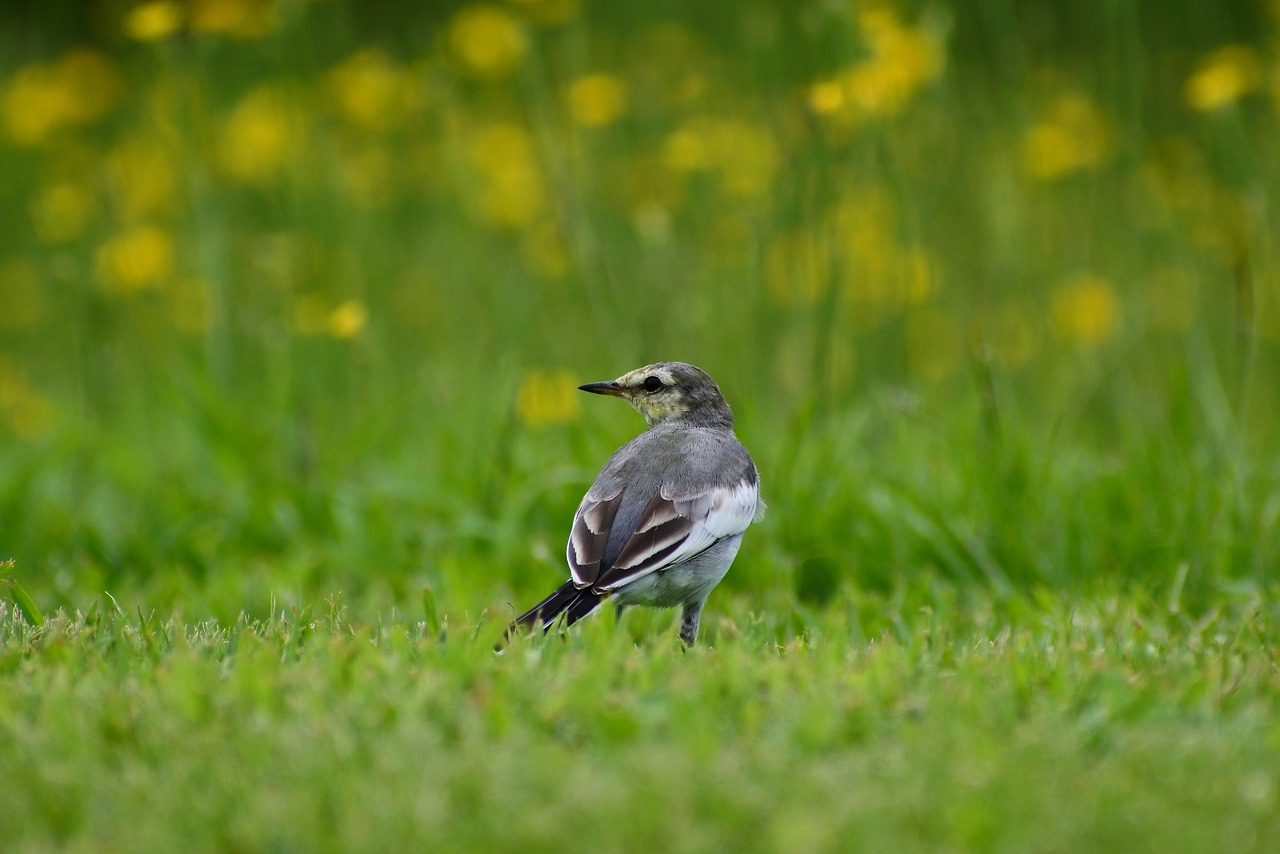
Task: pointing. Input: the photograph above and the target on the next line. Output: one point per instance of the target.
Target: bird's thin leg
(618, 609)
(689, 623)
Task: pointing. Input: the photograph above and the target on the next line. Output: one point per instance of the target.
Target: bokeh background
(294, 296)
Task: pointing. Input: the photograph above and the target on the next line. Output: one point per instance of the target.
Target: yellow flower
(61, 212)
(743, 155)
(511, 192)
(348, 319)
(597, 99)
(137, 260)
(153, 21)
(244, 19)
(1073, 135)
(370, 91)
(40, 100)
(1223, 77)
(258, 138)
(902, 60)
(547, 397)
(486, 42)
(1085, 310)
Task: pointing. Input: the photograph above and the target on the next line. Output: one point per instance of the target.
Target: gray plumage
(664, 519)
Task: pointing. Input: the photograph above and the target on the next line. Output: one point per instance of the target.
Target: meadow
(294, 300)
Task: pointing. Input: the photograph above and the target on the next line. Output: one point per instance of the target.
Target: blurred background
(295, 295)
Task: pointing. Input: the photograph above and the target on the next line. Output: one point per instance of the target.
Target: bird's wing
(590, 535)
(674, 528)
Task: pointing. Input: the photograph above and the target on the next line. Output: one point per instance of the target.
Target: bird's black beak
(611, 388)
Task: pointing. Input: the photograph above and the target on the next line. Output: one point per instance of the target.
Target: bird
(665, 517)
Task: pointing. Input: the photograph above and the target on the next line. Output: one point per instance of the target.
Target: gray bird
(664, 519)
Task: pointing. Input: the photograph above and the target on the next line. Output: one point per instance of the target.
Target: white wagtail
(666, 514)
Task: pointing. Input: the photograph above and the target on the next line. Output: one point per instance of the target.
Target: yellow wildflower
(1223, 77)
(348, 319)
(40, 100)
(1085, 310)
(370, 91)
(244, 19)
(596, 99)
(153, 21)
(1074, 135)
(486, 42)
(547, 397)
(511, 190)
(258, 137)
(137, 260)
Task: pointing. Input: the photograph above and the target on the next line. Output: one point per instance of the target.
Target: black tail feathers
(568, 600)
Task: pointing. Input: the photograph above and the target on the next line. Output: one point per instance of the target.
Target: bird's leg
(618, 608)
(689, 623)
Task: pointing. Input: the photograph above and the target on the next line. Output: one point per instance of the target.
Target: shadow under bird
(665, 517)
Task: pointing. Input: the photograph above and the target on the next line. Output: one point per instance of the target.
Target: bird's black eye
(652, 383)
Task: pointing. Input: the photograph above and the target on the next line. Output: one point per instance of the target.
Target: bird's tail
(568, 600)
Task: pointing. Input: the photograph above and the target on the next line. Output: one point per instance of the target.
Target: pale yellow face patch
(655, 406)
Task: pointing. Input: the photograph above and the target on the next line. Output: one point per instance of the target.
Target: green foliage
(921, 721)
(293, 300)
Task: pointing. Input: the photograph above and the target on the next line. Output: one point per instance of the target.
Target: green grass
(287, 308)
(920, 722)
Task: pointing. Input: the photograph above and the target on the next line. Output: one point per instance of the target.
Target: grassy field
(294, 297)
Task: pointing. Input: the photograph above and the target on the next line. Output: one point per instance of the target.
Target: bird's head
(668, 391)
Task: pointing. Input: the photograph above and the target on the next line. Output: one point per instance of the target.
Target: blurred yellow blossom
(136, 260)
(20, 294)
(486, 42)
(1073, 134)
(371, 91)
(596, 99)
(40, 100)
(511, 192)
(244, 19)
(1085, 310)
(935, 344)
(347, 320)
(22, 409)
(902, 60)
(1223, 77)
(153, 21)
(547, 397)
(744, 155)
(61, 211)
(259, 136)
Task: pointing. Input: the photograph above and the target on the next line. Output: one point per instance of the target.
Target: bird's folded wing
(674, 528)
(589, 537)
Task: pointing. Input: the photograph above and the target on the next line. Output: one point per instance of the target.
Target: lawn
(294, 301)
